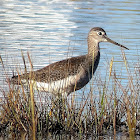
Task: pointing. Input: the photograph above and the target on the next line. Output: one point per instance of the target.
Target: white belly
(55, 87)
(64, 86)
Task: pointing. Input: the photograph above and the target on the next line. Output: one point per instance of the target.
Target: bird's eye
(100, 33)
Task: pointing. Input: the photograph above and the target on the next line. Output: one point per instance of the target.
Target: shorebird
(69, 75)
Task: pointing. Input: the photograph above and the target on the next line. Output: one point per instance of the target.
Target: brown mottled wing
(59, 70)
(55, 71)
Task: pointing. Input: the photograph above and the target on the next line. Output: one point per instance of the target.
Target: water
(52, 30)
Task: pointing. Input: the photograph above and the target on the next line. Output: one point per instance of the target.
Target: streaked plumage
(71, 74)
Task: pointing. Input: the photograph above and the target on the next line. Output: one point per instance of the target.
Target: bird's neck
(93, 48)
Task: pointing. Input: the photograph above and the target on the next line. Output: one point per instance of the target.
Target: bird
(71, 74)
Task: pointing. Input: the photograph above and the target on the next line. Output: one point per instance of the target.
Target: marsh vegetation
(115, 110)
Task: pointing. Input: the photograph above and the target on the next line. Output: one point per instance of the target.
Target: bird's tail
(15, 80)
(20, 79)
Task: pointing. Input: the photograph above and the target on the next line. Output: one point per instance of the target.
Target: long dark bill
(113, 42)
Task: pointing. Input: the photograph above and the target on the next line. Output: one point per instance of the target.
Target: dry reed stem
(32, 100)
